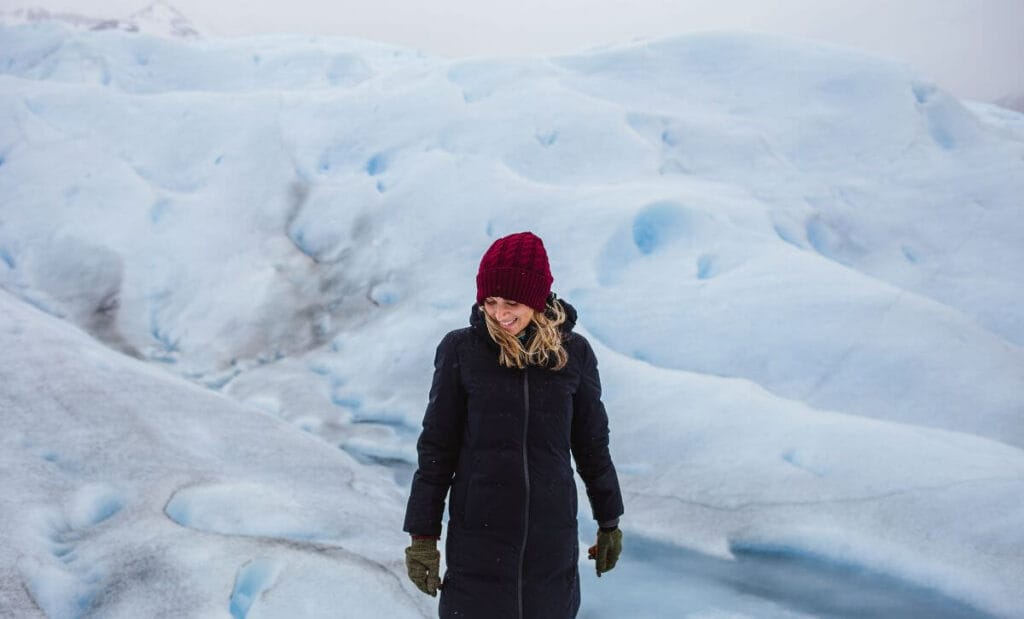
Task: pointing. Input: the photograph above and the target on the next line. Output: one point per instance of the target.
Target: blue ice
(786, 236)
(822, 587)
(942, 135)
(910, 254)
(320, 369)
(547, 139)
(178, 510)
(923, 92)
(706, 267)
(159, 210)
(338, 154)
(346, 402)
(298, 237)
(377, 164)
(823, 239)
(85, 601)
(104, 507)
(156, 330)
(167, 343)
(218, 382)
(796, 459)
(388, 297)
(656, 579)
(940, 120)
(657, 224)
(252, 579)
(385, 294)
(6, 257)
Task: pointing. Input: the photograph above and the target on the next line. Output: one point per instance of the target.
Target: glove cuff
(424, 543)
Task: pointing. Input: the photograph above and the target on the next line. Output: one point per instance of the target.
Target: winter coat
(500, 438)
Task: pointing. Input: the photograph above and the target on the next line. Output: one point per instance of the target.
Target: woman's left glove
(607, 549)
(423, 562)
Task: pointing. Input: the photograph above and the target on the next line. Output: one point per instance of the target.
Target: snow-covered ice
(226, 264)
(136, 493)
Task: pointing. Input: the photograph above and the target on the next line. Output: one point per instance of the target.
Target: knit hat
(515, 267)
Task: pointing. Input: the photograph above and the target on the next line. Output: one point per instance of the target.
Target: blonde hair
(544, 347)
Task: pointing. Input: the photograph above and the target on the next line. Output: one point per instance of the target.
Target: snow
(137, 493)
(226, 265)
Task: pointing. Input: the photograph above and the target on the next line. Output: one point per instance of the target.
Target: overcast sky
(973, 48)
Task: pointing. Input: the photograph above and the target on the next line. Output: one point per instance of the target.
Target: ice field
(225, 265)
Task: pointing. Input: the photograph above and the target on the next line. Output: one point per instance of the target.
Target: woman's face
(512, 316)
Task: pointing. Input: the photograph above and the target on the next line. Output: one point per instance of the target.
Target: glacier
(226, 262)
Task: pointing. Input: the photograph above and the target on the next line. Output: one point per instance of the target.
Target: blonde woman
(513, 395)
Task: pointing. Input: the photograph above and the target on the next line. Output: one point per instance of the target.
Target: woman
(512, 394)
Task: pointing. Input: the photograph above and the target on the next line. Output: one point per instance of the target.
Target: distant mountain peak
(160, 14)
(157, 19)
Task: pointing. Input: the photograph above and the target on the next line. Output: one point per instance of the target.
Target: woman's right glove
(423, 562)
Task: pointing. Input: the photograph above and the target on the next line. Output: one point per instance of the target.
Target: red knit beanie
(515, 267)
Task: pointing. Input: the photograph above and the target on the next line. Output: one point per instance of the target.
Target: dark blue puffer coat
(500, 439)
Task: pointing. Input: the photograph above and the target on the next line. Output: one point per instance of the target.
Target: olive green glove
(607, 550)
(423, 562)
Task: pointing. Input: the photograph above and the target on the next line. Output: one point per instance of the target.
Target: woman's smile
(511, 315)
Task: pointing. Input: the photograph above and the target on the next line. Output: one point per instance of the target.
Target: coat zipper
(526, 483)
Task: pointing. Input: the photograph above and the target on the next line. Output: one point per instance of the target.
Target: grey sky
(973, 48)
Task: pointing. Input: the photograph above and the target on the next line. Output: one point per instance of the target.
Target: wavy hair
(543, 349)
